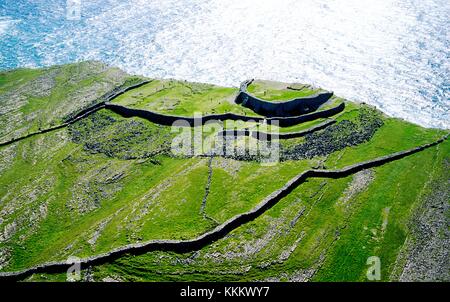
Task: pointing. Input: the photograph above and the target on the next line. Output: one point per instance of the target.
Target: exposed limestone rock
(97, 185)
(359, 183)
(230, 166)
(5, 255)
(427, 248)
(98, 231)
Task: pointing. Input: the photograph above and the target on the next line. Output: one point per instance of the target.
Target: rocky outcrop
(425, 255)
(182, 246)
(294, 107)
(336, 137)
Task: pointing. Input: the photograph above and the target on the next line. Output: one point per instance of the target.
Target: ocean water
(390, 53)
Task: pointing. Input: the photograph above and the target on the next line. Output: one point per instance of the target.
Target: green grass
(186, 99)
(398, 187)
(114, 180)
(395, 135)
(235, 192)
(183, 98)
(341, 233)
(12, 79)
(49, 95)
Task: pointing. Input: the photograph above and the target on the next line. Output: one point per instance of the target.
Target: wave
(392, 54)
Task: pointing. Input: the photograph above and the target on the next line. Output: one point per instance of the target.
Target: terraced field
(103, 181)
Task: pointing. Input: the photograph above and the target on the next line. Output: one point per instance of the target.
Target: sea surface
(390, 53)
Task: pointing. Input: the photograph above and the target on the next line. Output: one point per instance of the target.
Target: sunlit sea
(394, 54)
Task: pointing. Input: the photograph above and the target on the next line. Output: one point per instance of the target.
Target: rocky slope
(107, 181)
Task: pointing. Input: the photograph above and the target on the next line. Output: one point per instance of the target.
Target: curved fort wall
(294, 107)
(168, 120)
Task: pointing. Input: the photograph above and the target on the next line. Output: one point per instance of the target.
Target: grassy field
(185, 99)
(38, 99)
(275, 91)
(182, 98)
(107, 181)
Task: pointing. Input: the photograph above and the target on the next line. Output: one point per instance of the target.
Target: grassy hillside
(106, 181)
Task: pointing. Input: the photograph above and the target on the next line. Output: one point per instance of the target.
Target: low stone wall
(236, 133)
(122, 89)
(260, 135)
(182, 246)
(83, 113)
(2, 144)
(307, 131)
(100, 103)
(168, 120)
(294, 107)
(292, 121)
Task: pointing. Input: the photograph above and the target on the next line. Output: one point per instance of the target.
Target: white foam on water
(6, 24)
(391, 53)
